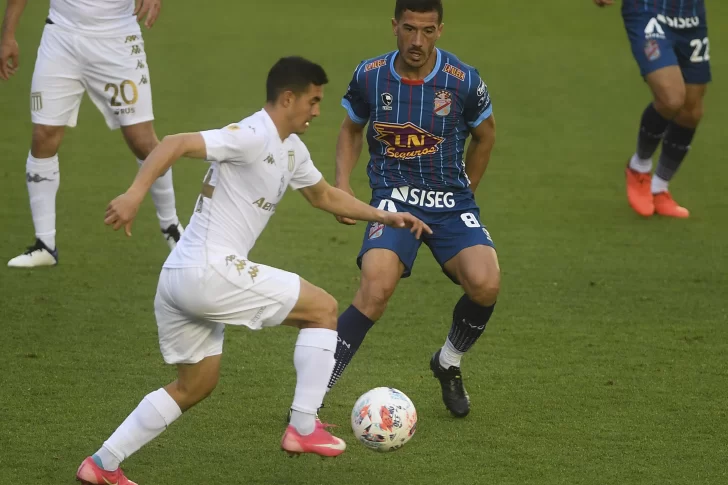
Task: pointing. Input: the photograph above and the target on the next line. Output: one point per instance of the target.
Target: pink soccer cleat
(320, 442)
(89, 473)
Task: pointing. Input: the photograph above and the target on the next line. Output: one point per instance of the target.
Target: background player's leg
(142, 139)
(43, 179)
(381, 270)
(675, 147)
(158, 410)
(668, 89)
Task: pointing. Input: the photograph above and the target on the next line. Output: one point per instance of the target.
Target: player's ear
(286, 98)
(394, 26)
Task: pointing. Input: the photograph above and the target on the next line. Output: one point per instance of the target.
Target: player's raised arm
(335, 201)
(9, 50)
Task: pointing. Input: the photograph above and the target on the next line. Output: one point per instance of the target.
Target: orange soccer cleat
(639, 194)
(665, 205)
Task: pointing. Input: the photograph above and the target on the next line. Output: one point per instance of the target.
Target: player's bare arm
(478, 154)
(122, 210)
(9, 50)
(348, 148)
(335, 201)
(148, 8)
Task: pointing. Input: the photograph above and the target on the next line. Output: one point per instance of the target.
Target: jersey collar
(429, 77)
(271, 127)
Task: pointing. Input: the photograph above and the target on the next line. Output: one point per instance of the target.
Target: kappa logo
(654, 30)
(387, 100)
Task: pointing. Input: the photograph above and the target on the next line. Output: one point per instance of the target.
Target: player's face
(305, 107)
(416, 34)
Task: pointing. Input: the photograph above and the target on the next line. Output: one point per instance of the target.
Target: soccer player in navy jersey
(670, 43)
(420, 104)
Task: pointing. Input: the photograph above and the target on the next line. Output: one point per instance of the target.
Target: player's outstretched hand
(122, 211)
(150, 8)
(9, 58)
(603, 3)
(405, 219)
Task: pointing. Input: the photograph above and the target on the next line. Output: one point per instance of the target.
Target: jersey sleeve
(477, 104)
(355, 100)
(306, 173)
(234, 143)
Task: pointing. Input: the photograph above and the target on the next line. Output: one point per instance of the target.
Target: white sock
(639, 165)
(314, 361)
(163, 196)
(659, 184)
(43, 178)
(450, 356)
(152, 416)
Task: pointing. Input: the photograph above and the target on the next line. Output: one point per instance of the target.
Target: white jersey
(95, 17)
(250, 171)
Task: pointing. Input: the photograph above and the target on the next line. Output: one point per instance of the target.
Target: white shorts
(193, 305)
(113, 70)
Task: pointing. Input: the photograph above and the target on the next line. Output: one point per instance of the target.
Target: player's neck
(405, 71)
(279, 120)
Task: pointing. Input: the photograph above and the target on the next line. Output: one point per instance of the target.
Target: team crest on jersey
(406, 140)
(387, 101)
(443, 103)
(376, 230)
(454, 71)
(291, 160)
(652, 50)
(375, 64)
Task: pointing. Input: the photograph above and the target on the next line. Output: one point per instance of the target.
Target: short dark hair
(418, 6)
(293, 74)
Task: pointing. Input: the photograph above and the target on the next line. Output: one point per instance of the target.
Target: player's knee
(196, 391)
(329, 311)
(46, 140)
(671, 101)
(483, 289)
(694, 113)
(374, 297)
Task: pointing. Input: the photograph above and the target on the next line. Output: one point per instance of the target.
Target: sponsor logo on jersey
(679, 22)
(387, 101)
(424, 198)
(375, 64)
(406, 141)
(654, 30)
(454, 71)
(443, 103)
(266, 206)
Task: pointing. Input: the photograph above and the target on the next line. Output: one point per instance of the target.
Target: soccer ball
(384, 419)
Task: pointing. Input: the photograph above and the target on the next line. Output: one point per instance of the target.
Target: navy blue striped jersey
(670, 8)
(417, 129)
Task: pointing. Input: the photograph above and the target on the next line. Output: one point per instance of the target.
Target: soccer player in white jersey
(208, 281)
(95, 47)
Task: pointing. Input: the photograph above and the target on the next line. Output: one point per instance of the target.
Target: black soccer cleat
(173, 234)
(454, 395)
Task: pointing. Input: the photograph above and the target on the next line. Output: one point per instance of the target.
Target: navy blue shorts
(453, 217)
(659, 41)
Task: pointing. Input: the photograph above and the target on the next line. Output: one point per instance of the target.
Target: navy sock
(652, 129)
(674, 149)
(352, 328)
(468, 323)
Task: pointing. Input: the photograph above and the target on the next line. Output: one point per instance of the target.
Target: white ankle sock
(639, 165)
(152, 416)
(659, 184)
(450, 356)
(314, 361)
(43, 178)
(163, 196)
